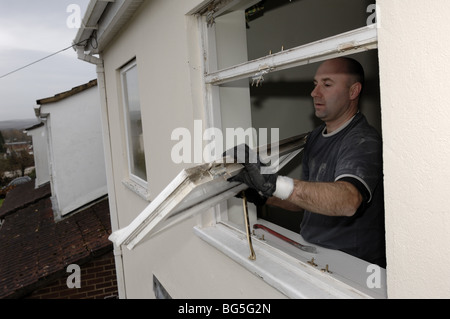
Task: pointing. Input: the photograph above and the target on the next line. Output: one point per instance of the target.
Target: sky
(31, 30)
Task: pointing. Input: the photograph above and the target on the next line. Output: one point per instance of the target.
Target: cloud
(36, 25)
(57, 74)
(29, 31)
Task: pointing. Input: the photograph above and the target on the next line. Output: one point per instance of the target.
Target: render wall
(414, 67)
(76, 156)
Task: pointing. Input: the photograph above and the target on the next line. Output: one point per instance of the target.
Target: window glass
(134, 131)
(273, 25)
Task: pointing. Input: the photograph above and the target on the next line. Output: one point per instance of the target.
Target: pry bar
(309, 249)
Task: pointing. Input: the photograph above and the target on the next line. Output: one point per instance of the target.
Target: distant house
(17, 147)
(36, 250)
(68, 148)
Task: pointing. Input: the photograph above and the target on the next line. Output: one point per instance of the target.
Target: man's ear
(355, 90)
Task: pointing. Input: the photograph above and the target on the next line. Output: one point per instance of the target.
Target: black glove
(264, 184)
(253, 196)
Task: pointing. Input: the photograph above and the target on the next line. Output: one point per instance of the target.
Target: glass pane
(136, 151)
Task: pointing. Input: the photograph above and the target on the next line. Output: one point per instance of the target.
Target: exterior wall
(414, 63)
(98, 281)
(40, 153)
(74, 130)
(185, 265)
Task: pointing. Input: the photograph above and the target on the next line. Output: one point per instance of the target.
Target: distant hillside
(17, 124)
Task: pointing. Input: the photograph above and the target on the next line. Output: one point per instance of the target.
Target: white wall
(414, 56)
(76, 151)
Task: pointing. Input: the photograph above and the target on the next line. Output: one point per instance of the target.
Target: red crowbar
(309, 249)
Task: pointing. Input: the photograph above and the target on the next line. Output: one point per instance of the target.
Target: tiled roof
(63, 95)
(34, 249)
(22, 196)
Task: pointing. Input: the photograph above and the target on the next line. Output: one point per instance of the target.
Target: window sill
(286, 268)
(136, 188)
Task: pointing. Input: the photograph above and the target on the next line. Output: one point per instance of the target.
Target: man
(341, 190)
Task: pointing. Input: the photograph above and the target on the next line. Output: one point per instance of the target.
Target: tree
(20, 161)
(2, 144)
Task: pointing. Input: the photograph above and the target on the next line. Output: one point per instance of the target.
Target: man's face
(331, 94)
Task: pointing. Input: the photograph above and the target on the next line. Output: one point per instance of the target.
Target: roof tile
(34, 248)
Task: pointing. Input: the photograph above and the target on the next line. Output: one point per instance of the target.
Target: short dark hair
(355, 68)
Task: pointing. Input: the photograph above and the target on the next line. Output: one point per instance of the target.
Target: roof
(61, 96)
(38, 125)
(23, 196)
(35, 250)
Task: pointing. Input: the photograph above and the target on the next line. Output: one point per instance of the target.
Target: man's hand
(253, 196)
(264, 184)
(252, 177)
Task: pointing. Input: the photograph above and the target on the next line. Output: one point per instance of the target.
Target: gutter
(89, 24)
(93, 13)
(108, 163)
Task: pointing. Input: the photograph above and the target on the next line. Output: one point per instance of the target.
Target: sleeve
(360, 162)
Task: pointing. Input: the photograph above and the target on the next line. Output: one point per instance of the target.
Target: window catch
(258, 78)
(217, 171)
(326, 269)
(312, 263)
(210, 20)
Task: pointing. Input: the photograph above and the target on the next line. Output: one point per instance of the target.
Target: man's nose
(315, 92)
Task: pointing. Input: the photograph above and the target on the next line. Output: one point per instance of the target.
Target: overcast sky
(29, 31)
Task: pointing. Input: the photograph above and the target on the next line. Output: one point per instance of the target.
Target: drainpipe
(101, 83)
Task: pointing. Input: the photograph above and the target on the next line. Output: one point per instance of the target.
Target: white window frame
(133, 182)
(347, 43)
(224, 235)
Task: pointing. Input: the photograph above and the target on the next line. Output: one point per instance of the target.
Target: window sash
(354, 41)
(133, 125)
